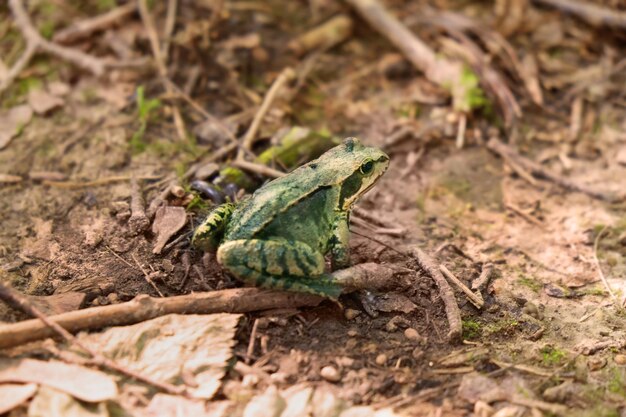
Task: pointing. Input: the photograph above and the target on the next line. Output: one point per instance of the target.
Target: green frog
(279, 236)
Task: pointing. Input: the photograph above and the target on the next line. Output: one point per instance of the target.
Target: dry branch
(19, 302)
(443, 72)
(538, 171)
(593, 14)
(453, 313)
(324, 36)
(86, 27)
(143, 307)
(34, 42)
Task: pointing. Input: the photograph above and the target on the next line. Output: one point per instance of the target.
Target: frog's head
(360, 168)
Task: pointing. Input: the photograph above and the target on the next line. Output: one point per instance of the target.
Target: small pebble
(620, 359)
(113, 298)
(414, 336)
(330, 373)
(381, 359)
(353, 333)
(350, 313)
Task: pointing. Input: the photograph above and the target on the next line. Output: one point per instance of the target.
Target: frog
(278, 237)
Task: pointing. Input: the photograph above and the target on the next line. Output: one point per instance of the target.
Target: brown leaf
(43, 102)
(167, 222)
(12, 395)
(58, 303)
(50, 402)
(12, 121)
(83, 383)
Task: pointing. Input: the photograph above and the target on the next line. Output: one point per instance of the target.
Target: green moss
(471, 329)
(617, 382)
(529, 282)
(551, 356)
(504, 326)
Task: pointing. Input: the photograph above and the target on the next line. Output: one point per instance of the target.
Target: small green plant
(145, 109)
(503, 327)
(471, 329)
(551, 356)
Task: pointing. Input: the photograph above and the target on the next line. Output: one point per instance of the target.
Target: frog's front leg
(278, 264)
(340, 241)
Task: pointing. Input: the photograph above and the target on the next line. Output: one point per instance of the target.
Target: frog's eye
(367, 167)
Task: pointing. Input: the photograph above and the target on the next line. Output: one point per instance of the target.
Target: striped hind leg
(278, 264)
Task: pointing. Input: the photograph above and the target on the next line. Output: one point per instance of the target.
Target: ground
(549, 333)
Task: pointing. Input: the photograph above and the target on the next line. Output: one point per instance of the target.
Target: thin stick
(524, 215)
(96, 183)
(32, 36)
(147, 276)
(537, 170)
(483, 279)
(14, 299)
(251, 344)
(283, 78)
(591, 13)
(86, 27)
(19, 65)
(257, 168)
(453, 313)
(596, 242)
(170, 23)
(475, 299)
(159, 58)
(143, 307)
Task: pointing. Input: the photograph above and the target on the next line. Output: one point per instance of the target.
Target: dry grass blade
(589, 12)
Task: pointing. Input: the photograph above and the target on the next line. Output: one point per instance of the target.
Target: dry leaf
(43, 102)
(12, 122)
(167, 222)
(83, 383)
(163, 405)
(58, 303)
(12, 395)
(167, 347)
(49, 402)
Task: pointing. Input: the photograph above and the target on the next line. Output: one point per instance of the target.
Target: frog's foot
(278, 264)
(209, 233)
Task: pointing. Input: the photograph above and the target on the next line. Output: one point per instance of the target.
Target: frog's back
(330, 169)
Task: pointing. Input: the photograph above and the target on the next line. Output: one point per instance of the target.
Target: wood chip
(167, 222)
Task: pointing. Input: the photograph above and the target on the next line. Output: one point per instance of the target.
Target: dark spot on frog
(313, 166)
(349, 142)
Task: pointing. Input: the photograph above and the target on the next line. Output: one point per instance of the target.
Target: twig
(524, 215)
(483, 279)
(596, 261)
(460, 133)
(453, 313)
(86, 27)
(143, 307)
(475, 299)
(257, 168)
(325, 36)
(138, 222)
(19, 65)
(34, 42)
(247, 141)
(593, 14)
(147, 276)
(52, 327)
(170, 23)
(159, 58)
(96, 183)
(250, 350)
(538, 171)
(438, 70)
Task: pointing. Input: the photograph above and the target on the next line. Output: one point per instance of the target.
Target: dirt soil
(549, 331)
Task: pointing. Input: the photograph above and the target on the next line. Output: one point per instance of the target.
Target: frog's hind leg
(278, 264)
